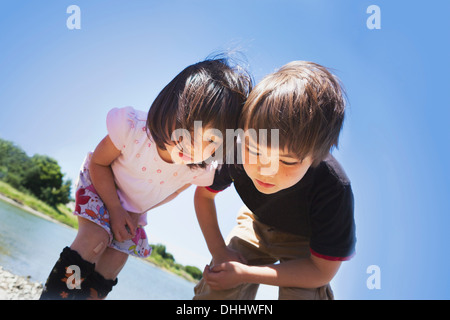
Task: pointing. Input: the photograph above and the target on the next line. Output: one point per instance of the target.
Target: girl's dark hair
(212, 91)
(305, 102)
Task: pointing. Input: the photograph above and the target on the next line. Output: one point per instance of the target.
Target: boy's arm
(103, 180)
(310, 272)
(205, 209)
(227, 272)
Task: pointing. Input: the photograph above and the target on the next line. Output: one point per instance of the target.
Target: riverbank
(65, 218)
(31, 210)
(14, 287)
(62, 214)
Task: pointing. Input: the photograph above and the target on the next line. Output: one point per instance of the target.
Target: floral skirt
(89, 206)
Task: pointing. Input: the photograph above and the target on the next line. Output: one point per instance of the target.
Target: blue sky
(56, 86)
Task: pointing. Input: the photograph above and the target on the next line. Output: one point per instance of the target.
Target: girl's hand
(123, 224)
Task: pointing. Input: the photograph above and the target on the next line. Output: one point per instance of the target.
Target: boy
(298, 200)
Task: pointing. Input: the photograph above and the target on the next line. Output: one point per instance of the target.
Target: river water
(30, 246)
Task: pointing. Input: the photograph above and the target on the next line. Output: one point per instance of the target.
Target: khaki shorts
(261, 244)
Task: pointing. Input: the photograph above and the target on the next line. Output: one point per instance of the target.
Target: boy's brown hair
(305, 102)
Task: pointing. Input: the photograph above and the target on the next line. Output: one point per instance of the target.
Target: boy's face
(272, 170)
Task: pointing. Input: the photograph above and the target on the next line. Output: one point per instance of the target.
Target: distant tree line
(166, 259)
(39, 175)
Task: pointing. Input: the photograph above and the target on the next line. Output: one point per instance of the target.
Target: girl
(138, 166)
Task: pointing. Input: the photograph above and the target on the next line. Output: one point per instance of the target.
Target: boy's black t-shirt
(319, 206)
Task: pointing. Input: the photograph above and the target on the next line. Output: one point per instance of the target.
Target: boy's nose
(268, 169)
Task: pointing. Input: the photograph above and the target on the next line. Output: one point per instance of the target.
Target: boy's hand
(123, 224)
(226, 275)
(226, 254)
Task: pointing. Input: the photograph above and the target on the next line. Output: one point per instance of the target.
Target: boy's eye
(289, 163)
(253, 152)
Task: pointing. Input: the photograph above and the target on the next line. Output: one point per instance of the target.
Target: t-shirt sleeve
(332, 224)
(222, 179)
(121, 126)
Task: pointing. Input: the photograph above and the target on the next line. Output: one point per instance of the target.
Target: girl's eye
(181, 147)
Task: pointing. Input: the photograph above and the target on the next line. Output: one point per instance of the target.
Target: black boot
(57, 286)
(96, 287)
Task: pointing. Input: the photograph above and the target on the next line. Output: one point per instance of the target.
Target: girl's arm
(205, 209)
(122, 225)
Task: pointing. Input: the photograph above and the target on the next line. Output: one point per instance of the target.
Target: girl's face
(272, 170)
(195, 148)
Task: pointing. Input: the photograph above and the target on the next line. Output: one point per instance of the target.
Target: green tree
(40, 175)
(45, 180)
(160, 249)
(14, 162)
(195, 272)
